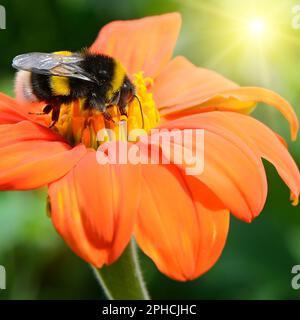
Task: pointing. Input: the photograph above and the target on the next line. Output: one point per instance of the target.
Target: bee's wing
(52, 64)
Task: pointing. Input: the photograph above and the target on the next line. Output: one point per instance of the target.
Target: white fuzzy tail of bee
(23, 87)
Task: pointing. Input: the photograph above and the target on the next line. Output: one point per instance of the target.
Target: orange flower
(179, 221)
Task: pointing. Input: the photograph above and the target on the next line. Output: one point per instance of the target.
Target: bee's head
(127, 94)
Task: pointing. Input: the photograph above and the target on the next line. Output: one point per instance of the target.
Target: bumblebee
(62, 77)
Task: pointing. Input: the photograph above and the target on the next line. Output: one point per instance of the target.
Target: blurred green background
(220, 35)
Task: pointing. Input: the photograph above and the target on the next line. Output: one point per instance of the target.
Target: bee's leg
(46, 110)
(55, 115)
(107, 116)
(116, 98)
(123, 111)
(100, 105)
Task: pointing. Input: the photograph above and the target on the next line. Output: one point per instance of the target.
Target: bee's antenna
(137, 98)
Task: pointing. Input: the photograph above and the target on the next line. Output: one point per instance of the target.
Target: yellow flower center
(81, 125)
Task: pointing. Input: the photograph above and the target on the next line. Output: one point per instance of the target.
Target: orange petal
(140, 45)
(94, 208)
(32, 156)
(268, 97)
(10, 111)
(232, 170)
(262, 140)
(181, 85)
(184, 237)
(183, 89)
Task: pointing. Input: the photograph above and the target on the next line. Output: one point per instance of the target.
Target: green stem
(123, 279)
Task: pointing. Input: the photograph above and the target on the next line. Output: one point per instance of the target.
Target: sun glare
(257, 27)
